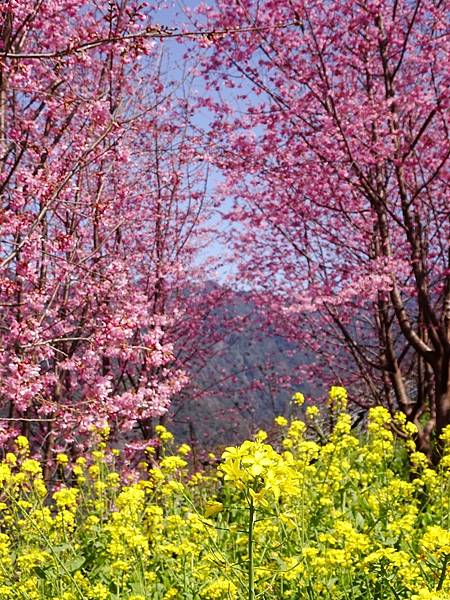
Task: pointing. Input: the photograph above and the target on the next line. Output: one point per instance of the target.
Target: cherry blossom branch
(27, 420)
(80, 164)
(156, 32)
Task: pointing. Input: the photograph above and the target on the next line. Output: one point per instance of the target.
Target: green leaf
(75, 564)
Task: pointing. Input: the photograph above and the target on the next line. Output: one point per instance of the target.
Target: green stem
(47, 541)
(443, 572)
(251, 573)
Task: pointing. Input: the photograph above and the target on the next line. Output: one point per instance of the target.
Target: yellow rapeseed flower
(22, 442)
(337, 398)
(298, 398)
(62, 459)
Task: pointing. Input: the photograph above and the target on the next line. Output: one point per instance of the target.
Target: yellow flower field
(312, 510)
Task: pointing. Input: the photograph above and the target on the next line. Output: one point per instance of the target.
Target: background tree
(333, 136)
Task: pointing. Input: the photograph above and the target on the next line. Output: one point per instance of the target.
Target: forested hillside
(248, 380)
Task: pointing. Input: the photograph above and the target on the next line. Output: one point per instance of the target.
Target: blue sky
(174, 16)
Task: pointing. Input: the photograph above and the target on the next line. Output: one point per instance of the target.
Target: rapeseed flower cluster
(260, 470)
(300, 512)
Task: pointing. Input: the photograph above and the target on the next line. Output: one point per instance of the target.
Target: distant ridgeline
(246, 383)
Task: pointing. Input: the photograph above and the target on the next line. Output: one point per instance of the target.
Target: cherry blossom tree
(102, 191)
(333, 135)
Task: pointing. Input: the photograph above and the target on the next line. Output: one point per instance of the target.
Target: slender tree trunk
(442, 394)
